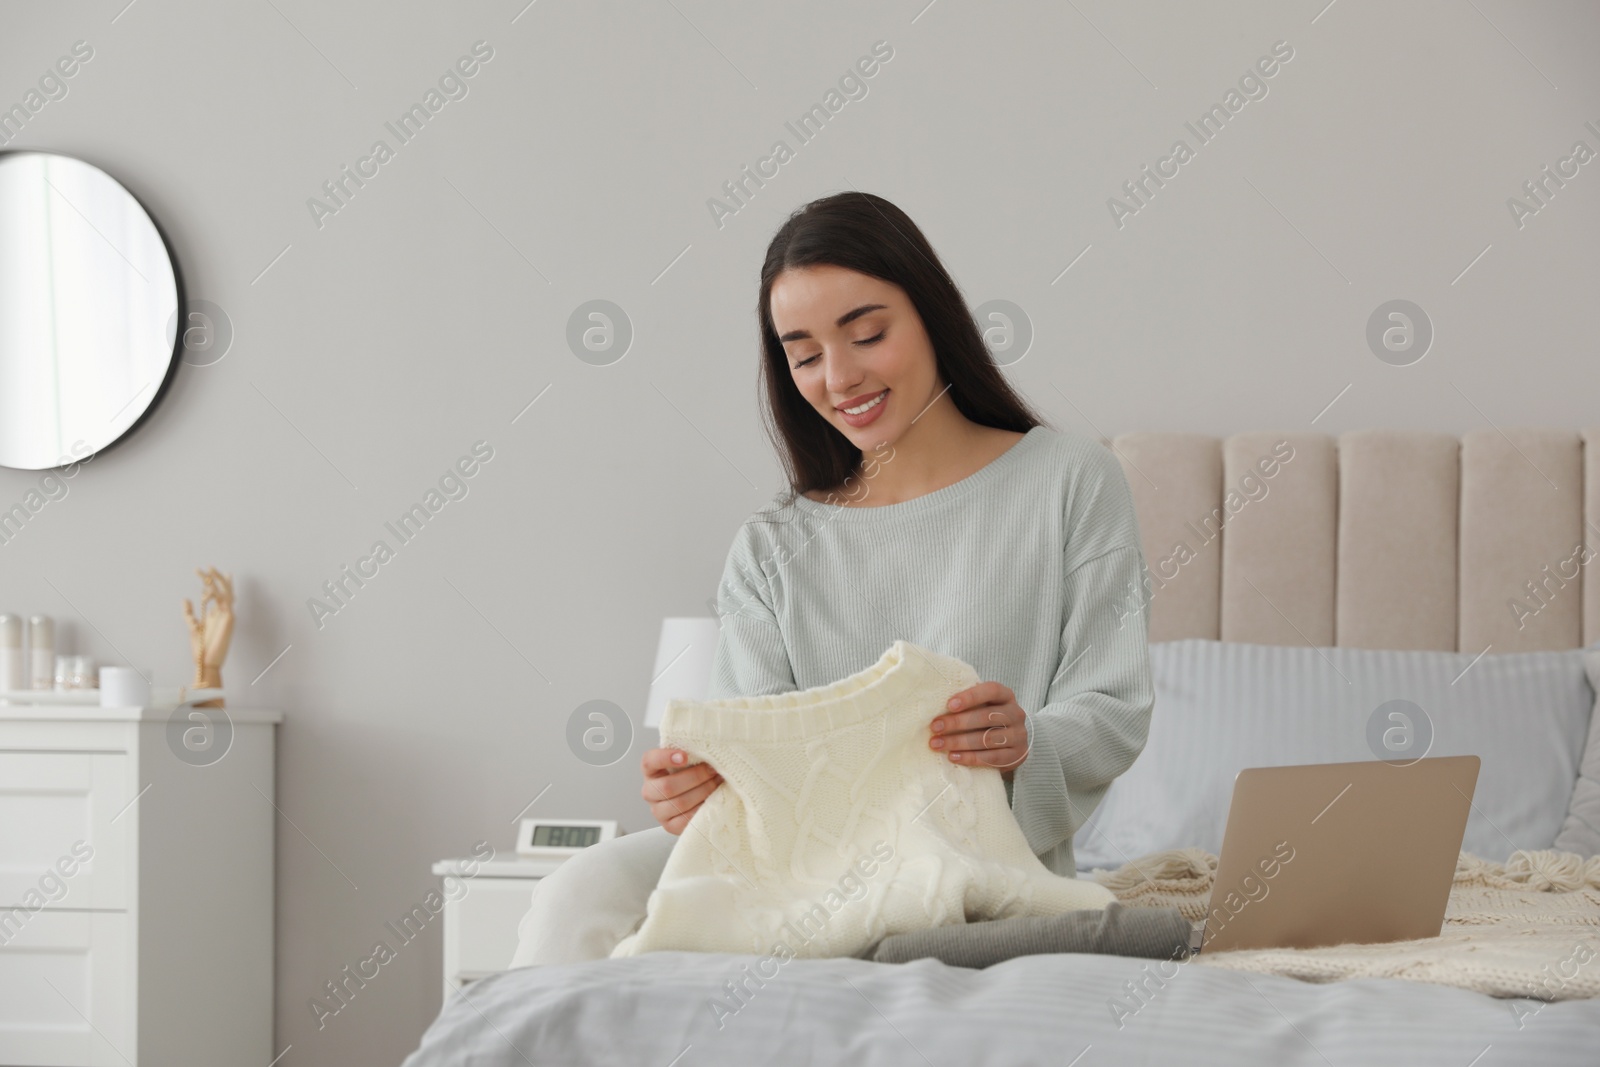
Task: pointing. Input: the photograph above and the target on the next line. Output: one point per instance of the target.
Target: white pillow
(1224, 706)
(1581, 832)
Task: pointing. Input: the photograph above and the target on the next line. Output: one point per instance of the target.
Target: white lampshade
(683, 663)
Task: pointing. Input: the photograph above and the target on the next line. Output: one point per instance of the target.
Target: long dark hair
(870, 235)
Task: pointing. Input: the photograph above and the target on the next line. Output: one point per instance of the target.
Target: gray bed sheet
(656, 1010)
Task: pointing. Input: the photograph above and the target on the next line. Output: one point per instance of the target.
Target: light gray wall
(430, 310)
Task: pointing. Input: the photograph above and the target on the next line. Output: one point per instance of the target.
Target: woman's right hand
(673, 790)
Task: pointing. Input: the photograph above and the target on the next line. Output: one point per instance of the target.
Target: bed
(653, 1010)
(1448, 573)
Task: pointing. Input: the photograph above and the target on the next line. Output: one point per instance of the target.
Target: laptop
(1338, 853)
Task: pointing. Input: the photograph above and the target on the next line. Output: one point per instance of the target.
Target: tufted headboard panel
(1374, 539)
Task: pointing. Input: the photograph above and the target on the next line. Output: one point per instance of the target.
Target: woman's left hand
(983, 727)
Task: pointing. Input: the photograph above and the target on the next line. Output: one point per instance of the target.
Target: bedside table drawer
(86, 1020)
(50, 801)
(484, 923)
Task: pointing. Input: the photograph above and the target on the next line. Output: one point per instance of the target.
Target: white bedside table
(480, 926)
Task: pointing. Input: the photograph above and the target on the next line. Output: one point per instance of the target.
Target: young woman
(927, 502)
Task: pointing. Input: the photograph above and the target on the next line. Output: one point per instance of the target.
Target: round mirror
(89, 303)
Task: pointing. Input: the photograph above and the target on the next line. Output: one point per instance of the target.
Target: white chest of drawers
(156, 947)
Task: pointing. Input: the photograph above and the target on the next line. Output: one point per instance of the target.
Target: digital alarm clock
(560, 838)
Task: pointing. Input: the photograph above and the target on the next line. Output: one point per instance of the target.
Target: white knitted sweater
(836, 825)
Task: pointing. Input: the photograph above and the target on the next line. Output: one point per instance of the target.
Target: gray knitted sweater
(1030, 570)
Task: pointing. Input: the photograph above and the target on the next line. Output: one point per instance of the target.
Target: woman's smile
(864, 412)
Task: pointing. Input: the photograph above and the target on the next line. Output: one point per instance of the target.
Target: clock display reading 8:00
(545, 836)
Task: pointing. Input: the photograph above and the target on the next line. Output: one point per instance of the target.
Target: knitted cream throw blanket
(836, 825)
(1529, 927)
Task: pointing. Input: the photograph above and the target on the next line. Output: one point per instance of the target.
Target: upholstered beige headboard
(1374, 539)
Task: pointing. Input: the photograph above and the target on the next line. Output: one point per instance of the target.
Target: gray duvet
(681, 1009)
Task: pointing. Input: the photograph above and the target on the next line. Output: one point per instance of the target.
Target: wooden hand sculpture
(210, 633)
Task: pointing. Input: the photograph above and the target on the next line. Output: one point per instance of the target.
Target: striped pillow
(1223, 706)
(1581, 831)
